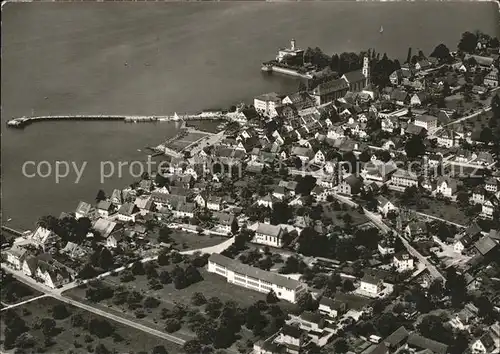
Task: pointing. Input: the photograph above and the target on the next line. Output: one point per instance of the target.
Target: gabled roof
(436, 347)
(83, 208)
(399, 95)
(128, 209)
(104, 205)
(354, 76)
(105, 227)
(224, 218)
(396, 337)
(268, 229)
(330, 86)
(271, 96)
(485, 245)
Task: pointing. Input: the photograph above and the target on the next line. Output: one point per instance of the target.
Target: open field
(211, 286)
(445, 211)
(183, 240)
(70, 339)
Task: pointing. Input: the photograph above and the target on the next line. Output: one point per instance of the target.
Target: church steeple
(366, 69)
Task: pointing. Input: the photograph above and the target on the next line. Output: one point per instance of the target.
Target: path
(23, 302)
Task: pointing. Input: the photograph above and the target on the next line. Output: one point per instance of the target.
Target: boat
(381, 29)
(9, 219)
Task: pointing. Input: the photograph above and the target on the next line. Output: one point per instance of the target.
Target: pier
(23, 121)
(14, 232)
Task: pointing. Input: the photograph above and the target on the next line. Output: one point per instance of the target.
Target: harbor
(24, 121)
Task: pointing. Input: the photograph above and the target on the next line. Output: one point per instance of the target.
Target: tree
(192, 275)
(59, 312)
(101, 195)
(213, 307)
(138, 268)
(164, 235)
(163, 258)
(468, 42)
(305, 185)
(271, 297)
(151, 302)
(198, 299)
(172, 325)
(192, 347)
(432, 327)
(159, 349)
(105, 259)
(415, 147)
(441, 52)
(101, 349)
(348, 286)
(234, 226)
(305, 302)
(48, 326)
(341, 346)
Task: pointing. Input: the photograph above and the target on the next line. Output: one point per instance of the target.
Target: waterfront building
(293, 51)
(255, 279)
(267, 103)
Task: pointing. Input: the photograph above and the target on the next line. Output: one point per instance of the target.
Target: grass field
(191, 240)
(449, 212)
(79, 340)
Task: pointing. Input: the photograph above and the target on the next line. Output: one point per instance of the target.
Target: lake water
(147, 58)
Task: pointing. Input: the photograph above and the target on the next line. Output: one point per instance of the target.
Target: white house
(183, 210)
(384, 205)
(267, 234)
(105, 208)
(402, 261)
(214, 203)
(370, 285)
(427, 122)
(114, 240)
(224, 221)
(386, 247)
(266, 104)
(16, 256)
(446, 186)
(319, 158)
(331, 308)
(254, 278)
(83, 210)
(127, 212)
(43, 236)
(266, 201)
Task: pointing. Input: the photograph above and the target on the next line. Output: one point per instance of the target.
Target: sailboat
(381, 29)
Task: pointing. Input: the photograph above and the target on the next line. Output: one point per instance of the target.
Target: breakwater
(24, 121)
(286, 71)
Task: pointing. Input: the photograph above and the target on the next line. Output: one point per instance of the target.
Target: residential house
(485, 245)
(485, 344)
(384, 205)
(214, 203)
(413, 129)
(491, 185)
(183, 210)
(52, 273)
(303, 153)
(127, 212)
(479, 195)
(300, 100)
(117, 198)
(309, 321)
(447, 186)
(396, 339)
(83, 210)
(426, 121)
(331, 308)
(419, 98)
(351, 185)
(402, 261)
(386, 247)
(267, 234)
(355, 79)
(16, 256)
(319, 158)
(491, 79)
(415, 229)
(370, 285)
(144, 204)
(400, 97)
(105, 208)
(106, 228)
(423, 64)
(481, 61)
(279, 192)
(266, 201)
(43, 237)
(224, 221)
(266, 104)
(447, 138)
(378, 171)
(330, 91)
(113, 240)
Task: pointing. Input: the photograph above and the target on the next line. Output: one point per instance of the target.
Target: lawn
(450, 212)
(211, 286)
(183, 240)
(79, 340)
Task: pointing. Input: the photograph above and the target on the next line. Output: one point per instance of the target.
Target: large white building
(266, 104)
(267, 234)
(253, 278)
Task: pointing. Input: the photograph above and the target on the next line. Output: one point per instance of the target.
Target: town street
(386, 229)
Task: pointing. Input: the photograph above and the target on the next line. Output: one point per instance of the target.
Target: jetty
(15, 232)
(24, 121)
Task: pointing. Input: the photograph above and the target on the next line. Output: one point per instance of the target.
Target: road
(55, 293)
(386, 229)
